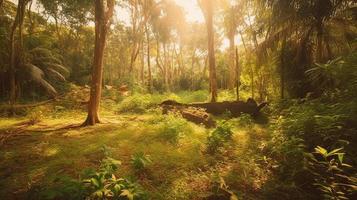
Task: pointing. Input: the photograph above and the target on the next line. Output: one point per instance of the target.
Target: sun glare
(192, 10)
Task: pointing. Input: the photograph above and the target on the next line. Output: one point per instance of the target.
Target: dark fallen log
(236, 108)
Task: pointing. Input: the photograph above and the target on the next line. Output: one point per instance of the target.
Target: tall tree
(16, 50)
(1, 3)
(103, 13)
(207, 8)
(230, 25)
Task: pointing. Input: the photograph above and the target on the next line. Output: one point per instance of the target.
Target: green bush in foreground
(101, 184)
(329, 170)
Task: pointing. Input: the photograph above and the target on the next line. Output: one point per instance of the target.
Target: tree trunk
(15, 53)
(102, 23)
(232, 74)
(142, 68)
(211, 56)
(148, 59)
(1, 5)
(282, 68)
(165, 67)
(319, 43)
(237, 71)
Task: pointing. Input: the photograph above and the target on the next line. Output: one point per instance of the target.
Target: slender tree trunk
(211, 53)
(1, 5)
(282, 68)
(320, 38)
(16, 53)
(165, 67)
(142, 68)
(148, 59)
(32, 23)
(237, 71)
(232, 74)
(102, 23)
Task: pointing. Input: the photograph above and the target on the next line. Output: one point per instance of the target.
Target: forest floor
(35, 157)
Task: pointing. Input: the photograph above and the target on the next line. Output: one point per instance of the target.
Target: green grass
(179, 169)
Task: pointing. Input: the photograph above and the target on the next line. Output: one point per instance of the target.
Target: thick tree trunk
(102, 22)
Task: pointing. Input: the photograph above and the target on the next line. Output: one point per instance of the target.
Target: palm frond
(56, 74)
(37, 75)
(58, 68)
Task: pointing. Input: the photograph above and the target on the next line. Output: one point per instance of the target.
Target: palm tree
(309, 29)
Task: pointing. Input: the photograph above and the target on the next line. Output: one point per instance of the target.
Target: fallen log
(195, 115)
(236, 108)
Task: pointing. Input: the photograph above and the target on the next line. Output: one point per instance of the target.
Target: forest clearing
(178, 99)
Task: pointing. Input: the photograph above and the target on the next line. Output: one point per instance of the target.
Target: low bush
(140, 161)
(172, 128)
(101, 184)
(218, 138)
(135, 104)
(330, 174)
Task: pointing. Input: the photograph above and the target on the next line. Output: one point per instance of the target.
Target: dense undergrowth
(306, 150)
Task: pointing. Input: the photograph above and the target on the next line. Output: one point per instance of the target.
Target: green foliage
(101, 184)
(245, 120)
(137, 103)
(301, 126)
(35, 116)
(220, 189)
(218, 138)
(172, 128)
(140, 161)
(339, 73)
(331, 173)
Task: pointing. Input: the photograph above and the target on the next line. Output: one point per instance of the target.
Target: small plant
(35, 117)
(330, 173)
(173, 128)
(218, 138)
(220, 190)
(245, 120)
(140, 161)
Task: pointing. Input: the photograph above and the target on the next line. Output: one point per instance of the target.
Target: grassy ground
(181, 169)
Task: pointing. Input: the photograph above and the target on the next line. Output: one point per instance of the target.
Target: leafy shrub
(172, 128)
(36, 115)
(301, 126)
(218, 138)
(135, 104)
(220, 190)
(245, 120)
(140, 161)
(330, 173)
(101, 184)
